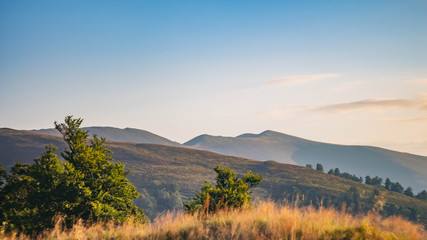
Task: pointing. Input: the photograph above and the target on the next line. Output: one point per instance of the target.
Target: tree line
(374, 181)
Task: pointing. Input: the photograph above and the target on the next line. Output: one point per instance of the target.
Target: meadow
(264, 221)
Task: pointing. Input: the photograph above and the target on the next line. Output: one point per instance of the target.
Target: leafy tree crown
(88, 185)
(231, 191)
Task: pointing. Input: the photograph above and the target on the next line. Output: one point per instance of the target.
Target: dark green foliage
(408, 192)
(319, 167)
(88, 185)
(331, 172)
(387, 184)
(231, 191)
(390, 209)
(353, 200)
(413, 215)
(2, 176)
(377, 200)
(160, 197)
(353, 177)
(309, 166)
(422, 195)
(396, 187)
(362, 202)
(337, 172)
(35, 193)
(107, 193)
(376, 181)
(367, 179)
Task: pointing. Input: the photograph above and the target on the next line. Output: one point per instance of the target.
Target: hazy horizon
(337, 72)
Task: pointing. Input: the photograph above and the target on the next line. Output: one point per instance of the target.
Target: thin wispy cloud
(419, 101)
(367, 104)
(300, 79)
(406, 120)
(378, 104)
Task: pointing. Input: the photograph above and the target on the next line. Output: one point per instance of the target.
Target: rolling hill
(119, 135)
(161, 171)
(407, 169)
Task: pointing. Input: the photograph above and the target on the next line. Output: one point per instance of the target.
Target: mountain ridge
(405, 168)
(119, 134)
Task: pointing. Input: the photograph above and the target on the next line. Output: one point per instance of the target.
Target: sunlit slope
(119, 135)
(408, 169)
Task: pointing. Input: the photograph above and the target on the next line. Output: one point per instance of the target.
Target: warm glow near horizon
(337, 71)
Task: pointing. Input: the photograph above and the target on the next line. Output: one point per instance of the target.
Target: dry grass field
(266, 221)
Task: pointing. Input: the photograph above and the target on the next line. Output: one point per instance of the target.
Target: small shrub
(230, 191)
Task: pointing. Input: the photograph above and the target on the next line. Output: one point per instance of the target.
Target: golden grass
(266, 221)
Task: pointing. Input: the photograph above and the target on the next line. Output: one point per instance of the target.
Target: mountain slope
(408, 169)
(119, 135)
(187, 169)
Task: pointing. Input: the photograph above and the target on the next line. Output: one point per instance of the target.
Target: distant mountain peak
(270, 132)
(248, 135)
(254, 135)
(204, 139)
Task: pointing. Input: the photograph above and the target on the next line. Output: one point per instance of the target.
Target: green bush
(230, 191)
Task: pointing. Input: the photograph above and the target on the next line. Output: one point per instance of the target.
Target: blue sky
(351, 72)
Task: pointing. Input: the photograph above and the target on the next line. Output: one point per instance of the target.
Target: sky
(346, 72)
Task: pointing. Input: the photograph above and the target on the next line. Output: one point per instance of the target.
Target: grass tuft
(266, 221)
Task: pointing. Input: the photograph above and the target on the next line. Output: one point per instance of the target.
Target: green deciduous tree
(422, 195)
(231, 191)
(376, 181)
(88, 185)
(387, 184)
(408, 192)
(337, 172)
(368, 179)
(353, 200)
(107, 193)
(35, 193)
(319, 167)
(396, 187)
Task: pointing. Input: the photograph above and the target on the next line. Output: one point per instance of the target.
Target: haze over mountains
(407, 169)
